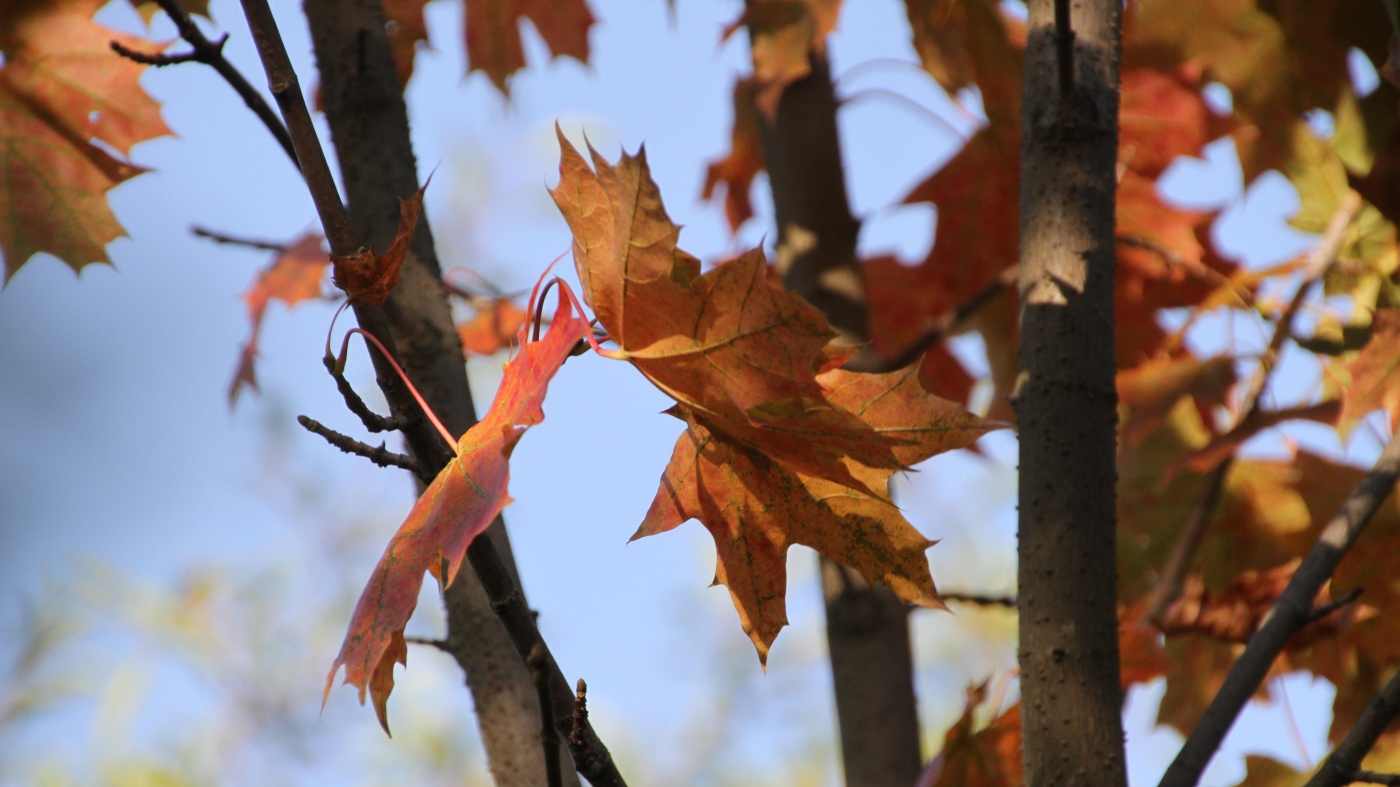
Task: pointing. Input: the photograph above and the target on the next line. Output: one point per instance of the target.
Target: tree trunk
(867, 627)
(1065, 399)
(369, 125)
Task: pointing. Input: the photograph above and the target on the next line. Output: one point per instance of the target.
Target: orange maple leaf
(493, 33)
(989, 756)
(495, 327)
(61, 89)
(406, 30)
(294, 276)
(367, 277)
(749, 369)
(780, 449)
(1375, 374)
(737, 170)
(455, 508)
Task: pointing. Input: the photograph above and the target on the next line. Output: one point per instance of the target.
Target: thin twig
(979, 599)
(946, 323)
(1359, 776)
(1343, 766)
(286, 90)
(381, 456)
(211, 53)
(1289, 613)
(1193, 533)
(373, 421)
(1168, 588)
(549, 734)
(440, 644)
(1335, 604)
(234, 240)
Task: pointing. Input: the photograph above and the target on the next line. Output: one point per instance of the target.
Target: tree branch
(381, 456)
(211, 53)
(373, 421)
(497, 580)
(1183, 553)
(979, 599)
(234, 240)
(1289, 613)
(1343, 766)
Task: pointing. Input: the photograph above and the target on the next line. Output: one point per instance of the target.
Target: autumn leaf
(962, 42)
(1214, 452)
(495, 327)
(1261, 771)
(493, 33)
(756, 506)
(455, 508)
(66, 100)
(1147, 393)
(1234, 614)
(978, 756)
(783, 35)
(294, 276)
(1375, 374)
(367, 277)
(407, 31)
(148, 8)
(780, 448)
(1163, 116)
(749, 369)
(737, 170)
(1279, 59)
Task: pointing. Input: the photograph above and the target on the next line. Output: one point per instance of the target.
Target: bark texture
(867, 627)
(369, 125)
(1066, 402)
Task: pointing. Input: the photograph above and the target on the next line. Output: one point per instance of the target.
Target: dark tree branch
(373, 421)
(234, 240)
(979, 599)
(211, 53)
(1371, 777)
(498, 581)
(591, 757)
(440, 644)
(381, 456)
(1343, 766)
(549, 734)
(1189, 541)
(1289, 613)
(161, 59)
(286, 90)
(1335, 604)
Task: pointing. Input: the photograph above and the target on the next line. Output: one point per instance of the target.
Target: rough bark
(1065, 398)
(867, 626)
(369, 125)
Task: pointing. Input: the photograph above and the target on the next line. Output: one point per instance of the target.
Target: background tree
(1209, 539)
